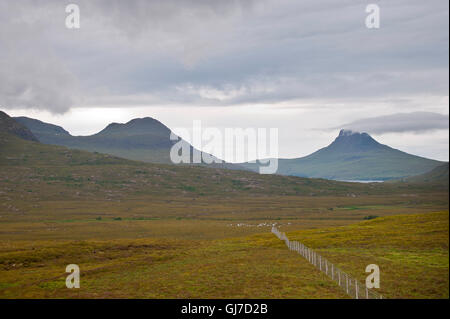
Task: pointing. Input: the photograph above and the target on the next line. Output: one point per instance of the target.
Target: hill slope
(355, 156)
(9, 125)
(438, 175)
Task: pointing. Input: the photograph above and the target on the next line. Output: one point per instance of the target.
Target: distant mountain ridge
(351, 156)
(141, 139)
(157, 133)
(355, 156)
(64, 172)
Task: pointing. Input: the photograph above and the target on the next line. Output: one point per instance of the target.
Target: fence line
(350, 285)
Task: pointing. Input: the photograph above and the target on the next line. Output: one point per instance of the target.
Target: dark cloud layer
(401, 122)
(219, 52)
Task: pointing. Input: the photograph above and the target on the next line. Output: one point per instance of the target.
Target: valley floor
(204, 248)
(140, 230)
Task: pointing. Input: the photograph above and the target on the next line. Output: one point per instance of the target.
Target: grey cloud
(45, 85)
(31, 74)
(219, 52)
(401, 122)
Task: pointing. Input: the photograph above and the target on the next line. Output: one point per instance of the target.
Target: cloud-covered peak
(346, 132)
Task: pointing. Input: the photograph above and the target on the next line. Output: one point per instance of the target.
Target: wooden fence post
(346, 279)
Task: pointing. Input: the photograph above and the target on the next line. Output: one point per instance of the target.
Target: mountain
(141, 139)
(35, 169)
(351, 156)
(38, 172)
(9, 125)
(355, 156)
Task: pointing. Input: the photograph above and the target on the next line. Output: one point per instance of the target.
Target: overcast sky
(307, 67)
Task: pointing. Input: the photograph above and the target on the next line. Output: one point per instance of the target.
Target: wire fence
(349, 284)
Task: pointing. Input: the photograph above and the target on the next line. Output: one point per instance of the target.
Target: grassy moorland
(150, 230)
(411, 250)
(161, 268)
